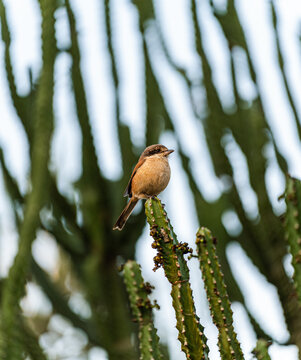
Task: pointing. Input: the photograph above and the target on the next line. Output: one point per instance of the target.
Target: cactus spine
(217, 295)
(171, 257)
(142, 310)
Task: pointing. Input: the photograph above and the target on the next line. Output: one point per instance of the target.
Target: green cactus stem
(142, 310)
(42, 125)
(292, 227)
(261, 350)
(217, 296)
(171, 257)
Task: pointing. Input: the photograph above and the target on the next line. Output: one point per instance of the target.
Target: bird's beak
(168, 152)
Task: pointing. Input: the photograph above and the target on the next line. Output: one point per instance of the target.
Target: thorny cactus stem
(261, 350)
(217, 296)
(292, 227)
(171, 257)
(142, 310)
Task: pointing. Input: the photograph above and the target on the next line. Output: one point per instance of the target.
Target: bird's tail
(125, 214)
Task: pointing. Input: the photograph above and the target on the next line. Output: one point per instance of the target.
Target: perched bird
(150, 176)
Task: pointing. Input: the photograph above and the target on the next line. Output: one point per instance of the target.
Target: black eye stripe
(155, 151)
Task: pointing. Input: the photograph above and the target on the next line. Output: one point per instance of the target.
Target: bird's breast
(151, 178)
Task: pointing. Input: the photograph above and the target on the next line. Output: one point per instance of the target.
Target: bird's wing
(128, 190)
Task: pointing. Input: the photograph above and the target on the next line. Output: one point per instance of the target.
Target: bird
(149, 178)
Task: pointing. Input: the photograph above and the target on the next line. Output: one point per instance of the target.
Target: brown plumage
(150, 177)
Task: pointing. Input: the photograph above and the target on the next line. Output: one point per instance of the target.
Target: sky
(255, 16)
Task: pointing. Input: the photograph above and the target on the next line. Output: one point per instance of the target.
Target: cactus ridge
(217, 295)
(142, 307)
(171, 257)
(292, 223)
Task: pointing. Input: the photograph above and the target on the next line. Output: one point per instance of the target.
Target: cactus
(217, 295)
(142, 310)
(261, 350)
(292, 227)
(171, 257)
(81, 226)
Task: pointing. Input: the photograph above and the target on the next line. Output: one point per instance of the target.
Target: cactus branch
(142, 310)
(171, 257)
(292, 227)
(261, 350)
(217, 296)
(14, 288)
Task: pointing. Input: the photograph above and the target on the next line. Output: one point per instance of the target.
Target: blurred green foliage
(82, 228)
